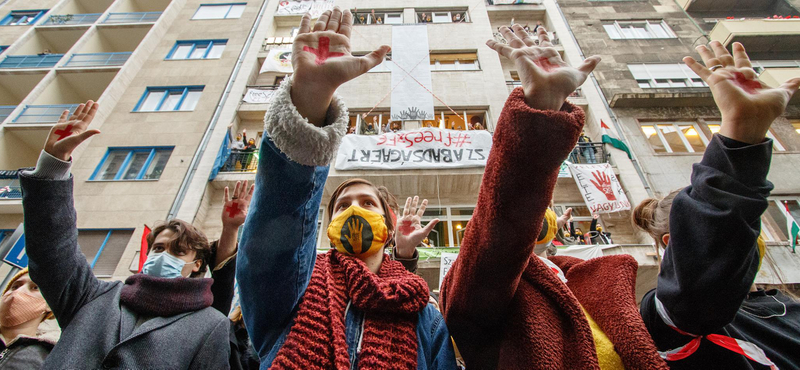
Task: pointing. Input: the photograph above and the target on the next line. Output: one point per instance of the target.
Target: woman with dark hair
(350, 307)
(706, 312)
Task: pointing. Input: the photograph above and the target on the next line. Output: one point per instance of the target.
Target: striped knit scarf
(390, 300)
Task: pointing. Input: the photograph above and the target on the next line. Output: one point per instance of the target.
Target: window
(796, 124)
(464, 120)
(714, 127)
(9, 185)
(103, 248)
(581, 216)
(452, 226)
(638, 30)
(454, 61)
(200, 49)
(665, 76)
(219, 11)
(168, 99)
(760, 66)
(141, 163)
(378, 17)
(442, 16)
(675, 137)
(22, 17)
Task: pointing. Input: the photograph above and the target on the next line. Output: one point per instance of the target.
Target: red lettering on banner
(409, 139)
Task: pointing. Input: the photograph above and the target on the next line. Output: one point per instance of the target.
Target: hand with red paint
(322, 62)
(234, 210)
(410, 233)
(603, 184)
(747, 107)
(71, 131)
(546, 78)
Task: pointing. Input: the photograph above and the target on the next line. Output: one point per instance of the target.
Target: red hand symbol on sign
(323, 51)
(603, 184)
(65, 133)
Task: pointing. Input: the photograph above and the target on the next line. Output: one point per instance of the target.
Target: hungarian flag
(608, 139)
(143, 248)
(792, 228)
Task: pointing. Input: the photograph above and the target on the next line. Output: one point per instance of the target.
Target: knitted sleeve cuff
(50, 168)
(300, 140)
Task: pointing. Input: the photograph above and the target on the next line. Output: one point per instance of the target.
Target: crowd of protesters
(507, 302)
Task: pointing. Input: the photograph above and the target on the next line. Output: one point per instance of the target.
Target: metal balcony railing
(136, 17)
(5, 111)
(43, 113)
(588, 153)
(9, 185)
(31, 61)
(97, 59)
(241, 162)
(71, 19)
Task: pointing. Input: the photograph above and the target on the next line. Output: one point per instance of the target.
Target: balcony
(727, 5)
(241, 162)
(514, 6)
(97, 59)
(255, 102)
(31, 61)
(134, 17)
(71, 19)
(9, 185)
(588, 153)
(761, 37)
(43, 113)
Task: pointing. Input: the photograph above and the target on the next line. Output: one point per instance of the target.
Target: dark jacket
(25, 353)
(704, 283)
(98, 331)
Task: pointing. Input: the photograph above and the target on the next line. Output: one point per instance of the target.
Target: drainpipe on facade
(615, 121)
(176, 205)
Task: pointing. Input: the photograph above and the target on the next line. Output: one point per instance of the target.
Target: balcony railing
(5, 111)
(241, 162)
(97, 59)
(588, 153)
(31, 61)
(43, 113)
(137, 17)
(71, 19)
(513, 2)
(9, 185)
(552, 35)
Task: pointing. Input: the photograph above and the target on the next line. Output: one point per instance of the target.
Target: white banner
(430, 148)
(600, 188)
(295, 7)
(584, 252)
(445, 265)
(257, 96)
(278, 60)
(411, 67)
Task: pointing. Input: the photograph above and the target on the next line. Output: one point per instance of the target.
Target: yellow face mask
(358, 232)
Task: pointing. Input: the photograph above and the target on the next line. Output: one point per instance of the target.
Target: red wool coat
(503, 306)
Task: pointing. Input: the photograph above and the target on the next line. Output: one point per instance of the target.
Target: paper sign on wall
(444, 266)
(417, 149)
(295, 7)
(600, 188)
(278, 60)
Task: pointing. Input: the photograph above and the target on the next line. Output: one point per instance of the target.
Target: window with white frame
(454, 61)
(675, 137)
(129, 164)
(442, 16)
(581, 216)
(672, 75)
(714, 127)
(760, 66)
(103, 248)
(452, 226)
(197, 49)
(169, 99)
(644, 29)
(377, 17)
(220, 11)
(22, 17)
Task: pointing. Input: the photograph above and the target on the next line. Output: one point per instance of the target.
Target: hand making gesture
(234, 209)
(322, 62)
(546, 79)
(410, 232)
(67, 134)
(747, 107)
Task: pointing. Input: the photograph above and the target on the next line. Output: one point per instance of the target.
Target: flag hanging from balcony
(222, 156)
(615, 142)
(412, 99)
(792, 229)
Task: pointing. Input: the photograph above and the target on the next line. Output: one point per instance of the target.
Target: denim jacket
(278, 247)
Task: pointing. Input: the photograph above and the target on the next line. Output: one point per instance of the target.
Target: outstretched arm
(303, 129)
(536, 131)
(712, 259)
(51, 233)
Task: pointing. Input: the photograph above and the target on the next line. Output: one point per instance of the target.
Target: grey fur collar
(300, 140)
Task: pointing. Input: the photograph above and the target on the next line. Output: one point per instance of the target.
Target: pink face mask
(20, 306)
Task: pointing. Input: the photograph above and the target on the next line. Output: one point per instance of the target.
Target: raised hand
(562, 220)
(747, 107)
(354, 227)
(410, 232)
(234, 210)
(70, 132)
(322, 62)
(546, 79)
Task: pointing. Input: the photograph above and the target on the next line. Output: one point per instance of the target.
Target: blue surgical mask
(163, 265)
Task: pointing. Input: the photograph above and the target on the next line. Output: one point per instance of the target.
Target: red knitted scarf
(390, 300)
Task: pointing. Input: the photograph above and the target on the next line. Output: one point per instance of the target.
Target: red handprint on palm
(603, 184)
